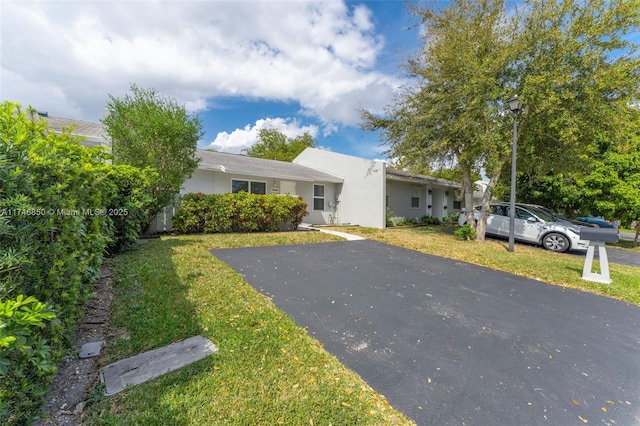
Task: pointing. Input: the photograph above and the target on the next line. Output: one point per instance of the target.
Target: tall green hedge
(130, 204)
(241, 212)
(62, 205)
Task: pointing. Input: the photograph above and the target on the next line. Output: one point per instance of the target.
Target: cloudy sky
(296, 65)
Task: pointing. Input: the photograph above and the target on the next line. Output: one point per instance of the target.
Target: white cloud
(243, 138)
(68, 55)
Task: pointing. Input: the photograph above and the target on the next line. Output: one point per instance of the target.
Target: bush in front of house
(241, 212)
(465, 232)
(61, 204)
(407, 221)
(131, 202)
(54, 233)
(428, 220)
(389, 217)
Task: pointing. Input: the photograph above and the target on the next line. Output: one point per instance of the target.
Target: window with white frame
(318, 197)
(253, 187)
(259, 188)
(415, 198)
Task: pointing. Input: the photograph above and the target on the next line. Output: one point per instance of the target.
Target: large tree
(608, 182)
(151, 130)
(274, 145)
(451, 111)
(569, 61)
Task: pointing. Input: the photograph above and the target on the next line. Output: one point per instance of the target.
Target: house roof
(242, 164)
(401, 175)
(93, 132)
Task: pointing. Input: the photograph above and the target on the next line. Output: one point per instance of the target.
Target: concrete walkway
(450, 343)
(346, 236)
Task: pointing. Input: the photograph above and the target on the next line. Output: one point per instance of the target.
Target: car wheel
(556, 242)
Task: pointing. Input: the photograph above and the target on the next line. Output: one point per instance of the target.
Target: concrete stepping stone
(146, 366)
(90, 350)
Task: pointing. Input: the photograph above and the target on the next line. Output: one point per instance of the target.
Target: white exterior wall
(399, 196)
(322, 217)
(361, 198)
(435, 201)
(217, 182)
(200, 181)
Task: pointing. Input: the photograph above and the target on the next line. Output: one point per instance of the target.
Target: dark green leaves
(150, 130)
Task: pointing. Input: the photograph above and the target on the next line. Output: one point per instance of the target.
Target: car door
(498, 221)
(527, 226)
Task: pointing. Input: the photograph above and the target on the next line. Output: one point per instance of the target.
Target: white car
(532, 225)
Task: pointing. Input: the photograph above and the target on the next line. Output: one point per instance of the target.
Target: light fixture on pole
(515, 105)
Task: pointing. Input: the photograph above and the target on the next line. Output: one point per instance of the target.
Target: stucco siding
(399, 195)
(328, 213)
(200, 181)
(218, 182)
(361, 198)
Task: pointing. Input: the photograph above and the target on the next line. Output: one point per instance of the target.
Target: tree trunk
(467, 189)
(486, 200)
(635, 239)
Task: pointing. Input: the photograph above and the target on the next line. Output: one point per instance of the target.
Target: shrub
(56, 220)
(407, 221)
(389, 217)
(241, 212)
(130, 204)
(465, 232)
(25, 358)
(428, 220)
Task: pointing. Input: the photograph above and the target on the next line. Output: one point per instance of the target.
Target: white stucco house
(338, 188)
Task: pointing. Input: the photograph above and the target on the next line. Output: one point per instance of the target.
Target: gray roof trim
(83, 128)
(259, 167)
(401, 175)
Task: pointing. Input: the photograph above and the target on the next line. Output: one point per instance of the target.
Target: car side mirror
(532, 219)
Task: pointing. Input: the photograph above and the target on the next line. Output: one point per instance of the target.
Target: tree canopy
(274, 145)
(608, 183)
(151, 130)
(569, 61)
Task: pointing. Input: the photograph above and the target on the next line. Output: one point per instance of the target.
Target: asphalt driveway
(616, 255)
(450, 343)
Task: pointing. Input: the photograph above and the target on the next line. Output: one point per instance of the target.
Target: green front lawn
(268, 371)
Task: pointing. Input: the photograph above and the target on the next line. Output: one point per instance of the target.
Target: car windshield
(542, 214)
(552, 213)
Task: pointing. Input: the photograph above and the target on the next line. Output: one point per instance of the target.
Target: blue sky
(296, 65)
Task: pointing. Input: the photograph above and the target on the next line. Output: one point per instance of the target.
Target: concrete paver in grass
(148, 365)
(450, 343)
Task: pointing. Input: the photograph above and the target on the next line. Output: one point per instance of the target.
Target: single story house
(338, 188)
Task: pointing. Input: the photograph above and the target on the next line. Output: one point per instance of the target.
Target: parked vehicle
(559, 217)
(598, 221)
(532, 225)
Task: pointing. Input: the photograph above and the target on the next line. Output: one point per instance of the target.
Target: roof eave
(276, 175)
(423, 181)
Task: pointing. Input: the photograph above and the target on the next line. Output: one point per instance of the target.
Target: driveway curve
(450, 343)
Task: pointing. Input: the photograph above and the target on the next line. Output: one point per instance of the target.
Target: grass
(528, 261)
(268, 371)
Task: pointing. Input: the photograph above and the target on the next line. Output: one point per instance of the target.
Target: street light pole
(515, 105)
